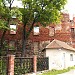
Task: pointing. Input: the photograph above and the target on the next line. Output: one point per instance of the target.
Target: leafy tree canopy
(43, 11)
(33, 11)
(6, 13)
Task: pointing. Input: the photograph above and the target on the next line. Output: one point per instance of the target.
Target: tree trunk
(4, 32)
(2, 40)
(24, 40)
(25, 36)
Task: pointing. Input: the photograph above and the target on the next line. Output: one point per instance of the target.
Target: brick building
(39, 37)
(63, 31)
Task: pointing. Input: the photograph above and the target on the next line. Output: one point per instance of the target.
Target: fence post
(35, 63)
(10, 69)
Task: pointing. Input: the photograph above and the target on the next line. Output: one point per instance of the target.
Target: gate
(42, 64)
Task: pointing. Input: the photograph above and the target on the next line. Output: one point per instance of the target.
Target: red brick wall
(64, 34)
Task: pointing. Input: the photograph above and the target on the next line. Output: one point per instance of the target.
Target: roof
(59, 44)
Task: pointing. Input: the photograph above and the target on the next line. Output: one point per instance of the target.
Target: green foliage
(39, 11)
(3, 25)
(6, 13)
(19, 70)
(55, 72)
(3, 66)
(33, 12)
(45, 11)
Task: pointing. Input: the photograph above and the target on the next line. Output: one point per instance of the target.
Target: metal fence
(3, 65)
(42, 64)
(23, 65)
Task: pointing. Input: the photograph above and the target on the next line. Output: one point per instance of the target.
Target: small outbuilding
(60, 54)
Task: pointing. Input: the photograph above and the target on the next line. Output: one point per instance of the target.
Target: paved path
(71, 72)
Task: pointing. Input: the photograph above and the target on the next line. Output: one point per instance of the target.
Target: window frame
(12, 45)
(51, 31)
(36, 47)
(36, 30)
(13, 29)
(71, 57)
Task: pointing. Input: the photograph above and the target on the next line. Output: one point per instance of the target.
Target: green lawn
(55, 72)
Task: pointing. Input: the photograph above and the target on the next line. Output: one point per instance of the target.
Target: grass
(55, 72)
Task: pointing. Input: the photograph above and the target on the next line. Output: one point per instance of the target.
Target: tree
(5, 18)
(39, 11)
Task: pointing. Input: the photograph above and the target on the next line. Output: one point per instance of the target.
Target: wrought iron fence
(42, 64)
(23, 65)
(3, 65)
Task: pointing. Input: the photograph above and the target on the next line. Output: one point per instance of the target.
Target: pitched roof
(59, 44)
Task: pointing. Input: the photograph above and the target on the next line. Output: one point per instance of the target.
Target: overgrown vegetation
(3, 66)
(55, 72)
(34, 12)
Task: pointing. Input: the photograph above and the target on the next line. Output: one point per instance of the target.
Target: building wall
(60, 58)
(46, 34)
(61, 31)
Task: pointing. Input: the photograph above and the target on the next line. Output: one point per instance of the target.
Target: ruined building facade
(40, 37)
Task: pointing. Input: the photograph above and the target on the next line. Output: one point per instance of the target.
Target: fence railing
(26, 65)
(3, 65)
(42, 64)
(23, 65)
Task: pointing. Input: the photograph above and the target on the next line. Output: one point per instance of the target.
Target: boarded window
(12, 29)
(36, 30)
(51, 31)
(36, 47)
(11, 45)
